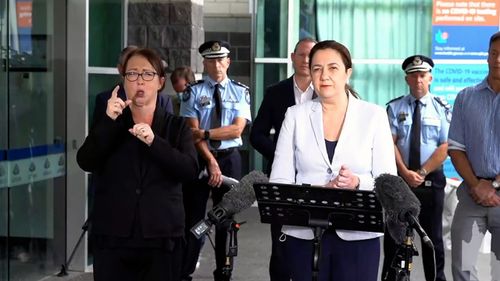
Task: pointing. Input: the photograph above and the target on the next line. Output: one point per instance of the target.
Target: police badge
(402, 116)
(204, 101)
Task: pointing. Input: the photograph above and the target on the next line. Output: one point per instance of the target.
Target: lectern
(320, 208)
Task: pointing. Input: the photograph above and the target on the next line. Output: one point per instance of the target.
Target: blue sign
(449, 79)
(461, 42)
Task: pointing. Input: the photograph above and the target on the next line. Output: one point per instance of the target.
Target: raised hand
(116, 105)
(143, 132)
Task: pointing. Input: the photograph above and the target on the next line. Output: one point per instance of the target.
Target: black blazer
(278, 98)
(136, 179)
(101, 102)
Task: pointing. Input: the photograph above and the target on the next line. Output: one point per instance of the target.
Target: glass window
(272, 24)
(105, 32)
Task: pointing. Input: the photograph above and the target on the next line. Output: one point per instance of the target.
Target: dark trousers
(278, 268)
(431, 210)
(340, 260)
(195, 201)
(138, 263)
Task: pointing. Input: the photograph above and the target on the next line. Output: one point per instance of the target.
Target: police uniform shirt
(198, 102)
(435, 123)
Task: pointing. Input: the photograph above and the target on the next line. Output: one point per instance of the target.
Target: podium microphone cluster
(240, 197)
(401, 207)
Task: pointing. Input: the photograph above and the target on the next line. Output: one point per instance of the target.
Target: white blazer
(365, 146)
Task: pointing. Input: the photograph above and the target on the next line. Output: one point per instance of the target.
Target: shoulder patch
(186, 95)
(398, 98)
(442, 102)
(247, 96)
(446, 105)
(240, 84)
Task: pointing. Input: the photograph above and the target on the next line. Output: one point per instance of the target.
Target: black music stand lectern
(320, 208)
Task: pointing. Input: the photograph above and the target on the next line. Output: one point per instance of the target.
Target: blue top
(435, 122)
(197, 102)
(330, 148)
(475, 128)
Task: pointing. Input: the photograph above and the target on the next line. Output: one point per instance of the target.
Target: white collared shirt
(301, 97)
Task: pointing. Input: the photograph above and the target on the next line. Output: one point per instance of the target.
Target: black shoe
(220, 276)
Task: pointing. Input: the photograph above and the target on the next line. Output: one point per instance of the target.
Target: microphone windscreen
(242, 195)
(397, 200)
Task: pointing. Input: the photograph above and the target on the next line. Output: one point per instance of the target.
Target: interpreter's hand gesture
(345, 179)
(143, 132)
(116, 105)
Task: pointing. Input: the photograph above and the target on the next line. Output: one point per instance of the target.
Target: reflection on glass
(307, 19)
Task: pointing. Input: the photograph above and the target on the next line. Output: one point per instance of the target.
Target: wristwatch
(496, 184)
(206, 135)
(422, 172)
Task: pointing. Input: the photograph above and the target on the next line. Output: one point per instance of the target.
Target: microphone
(401, 207)
(237, 199)
(227, 181)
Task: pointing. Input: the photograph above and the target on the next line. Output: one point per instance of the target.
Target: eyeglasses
(132, 76)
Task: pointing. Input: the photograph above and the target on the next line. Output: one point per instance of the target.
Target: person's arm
(283, 170)
(437, 158)
(180, 161)
(481, 190)
(411, 177)
(261, 127)
(215, 174)
(229, 132)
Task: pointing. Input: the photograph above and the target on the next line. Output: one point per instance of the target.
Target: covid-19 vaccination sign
(460, 37)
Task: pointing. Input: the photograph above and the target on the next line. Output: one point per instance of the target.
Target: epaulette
(240, 84)
(398, 98)
(195, 83)
(442, 102)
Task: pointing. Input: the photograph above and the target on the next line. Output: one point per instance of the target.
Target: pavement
(254, 247)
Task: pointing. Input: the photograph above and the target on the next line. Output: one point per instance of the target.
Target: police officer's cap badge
(216, 46)
(417, 61)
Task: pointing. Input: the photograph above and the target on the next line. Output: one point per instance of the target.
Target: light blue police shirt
(475, 128)
(197, 102)
(435, 122)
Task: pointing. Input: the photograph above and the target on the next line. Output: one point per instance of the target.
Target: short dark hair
(151, 56)
(123, 55)
(305, 39)
(182, 72)
(494, 37)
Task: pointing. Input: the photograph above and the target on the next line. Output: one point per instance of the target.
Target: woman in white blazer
(336, 141)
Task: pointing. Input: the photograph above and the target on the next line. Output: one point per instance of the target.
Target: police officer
(217, 109)
(419, 124)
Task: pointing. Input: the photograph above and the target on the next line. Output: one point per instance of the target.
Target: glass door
(32, 126)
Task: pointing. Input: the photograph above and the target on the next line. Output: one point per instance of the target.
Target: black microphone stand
(232, 247)
(403, 260)
(65, 266)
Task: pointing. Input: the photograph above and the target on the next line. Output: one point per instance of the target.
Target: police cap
(417, 63)
(214, 49)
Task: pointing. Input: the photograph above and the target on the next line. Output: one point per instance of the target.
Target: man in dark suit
(294, 90)
(102, 98)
